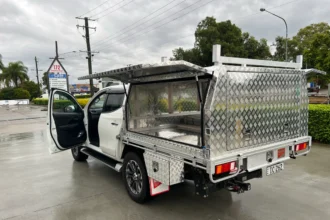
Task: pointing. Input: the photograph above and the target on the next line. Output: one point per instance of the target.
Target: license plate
(274, 169)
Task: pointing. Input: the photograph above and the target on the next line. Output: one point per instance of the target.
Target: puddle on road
(39, 135)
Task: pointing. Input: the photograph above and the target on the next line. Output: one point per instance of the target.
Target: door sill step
(113, 164)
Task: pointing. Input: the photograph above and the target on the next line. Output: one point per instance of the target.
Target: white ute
(218, 126)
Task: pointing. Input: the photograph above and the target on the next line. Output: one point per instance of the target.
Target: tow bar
(237, 186)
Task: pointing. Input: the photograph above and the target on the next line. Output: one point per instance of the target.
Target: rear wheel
(77, 155)
(135, 178)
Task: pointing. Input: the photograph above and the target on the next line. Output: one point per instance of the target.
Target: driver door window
(64, 103)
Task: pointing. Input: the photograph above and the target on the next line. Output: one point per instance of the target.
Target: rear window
(114, 102)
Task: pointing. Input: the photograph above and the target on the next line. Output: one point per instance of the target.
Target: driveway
(37, 185)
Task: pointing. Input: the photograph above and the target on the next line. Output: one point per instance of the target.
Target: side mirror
(69, 108)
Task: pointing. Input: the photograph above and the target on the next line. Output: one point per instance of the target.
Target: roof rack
(220, 60)
(142, 72)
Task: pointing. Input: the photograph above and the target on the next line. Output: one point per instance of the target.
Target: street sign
(57, 76)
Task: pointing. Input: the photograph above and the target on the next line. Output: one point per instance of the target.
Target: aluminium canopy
(150, 72)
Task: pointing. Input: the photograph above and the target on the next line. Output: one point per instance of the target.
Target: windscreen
(169, 110)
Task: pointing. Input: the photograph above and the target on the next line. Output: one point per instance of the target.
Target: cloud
(30, 28)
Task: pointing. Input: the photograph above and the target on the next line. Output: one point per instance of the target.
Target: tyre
(77, 155)
(135, 178)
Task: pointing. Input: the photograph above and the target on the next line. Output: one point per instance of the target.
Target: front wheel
(78, 155)
(135, 178)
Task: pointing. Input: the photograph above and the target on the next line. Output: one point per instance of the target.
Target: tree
(254, 49)
(233, 43)
(32, 88)
(280, 49)
(1, 63)
(318, 56)
(306, 35)
(45, 80)
(190, 55)
(2, 67)
(312, 42)
(301, 43)
(14, 93)
(5, 79)
(16, 73)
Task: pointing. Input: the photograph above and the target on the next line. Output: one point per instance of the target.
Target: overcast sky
(29, 28)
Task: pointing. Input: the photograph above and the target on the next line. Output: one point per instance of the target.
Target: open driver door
(65, 122)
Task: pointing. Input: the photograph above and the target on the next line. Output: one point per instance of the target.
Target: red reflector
(281, 153)
(301, 146)
(226, 167)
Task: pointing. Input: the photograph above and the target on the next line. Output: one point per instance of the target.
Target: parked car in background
(44, 96)
(315, 89)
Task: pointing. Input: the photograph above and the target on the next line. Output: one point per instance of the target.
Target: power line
(114, 36)
(94, 8)
(159, 21)
(163, 23)
(167, 42)
(121, 30)
(112, 10)
(257, 13)
(284, 4)
(117, 35)
(207, 3)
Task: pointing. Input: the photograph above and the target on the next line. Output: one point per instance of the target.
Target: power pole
(35, 59)
(37, 72)
(89, 51)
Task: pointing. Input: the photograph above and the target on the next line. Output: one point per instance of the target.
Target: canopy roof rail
(219, 60)
(312, 70)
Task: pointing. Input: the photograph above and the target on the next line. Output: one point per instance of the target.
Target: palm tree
(2, 67)
(16, 72)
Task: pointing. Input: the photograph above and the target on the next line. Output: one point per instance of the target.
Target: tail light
(301, 146)
(226, 167)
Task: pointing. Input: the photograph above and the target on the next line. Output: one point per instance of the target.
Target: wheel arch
(130, 148)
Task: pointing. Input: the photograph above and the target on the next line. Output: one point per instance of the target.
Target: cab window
(114, 102)
(98, 102)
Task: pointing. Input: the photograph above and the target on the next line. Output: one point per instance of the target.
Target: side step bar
(113, 164)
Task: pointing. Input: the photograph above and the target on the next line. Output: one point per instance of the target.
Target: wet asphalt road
(37, 185)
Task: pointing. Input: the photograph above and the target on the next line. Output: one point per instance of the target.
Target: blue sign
(57, 75)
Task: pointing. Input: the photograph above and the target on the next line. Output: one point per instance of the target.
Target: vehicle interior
(106, 102)
(94, 112)
(169, 110)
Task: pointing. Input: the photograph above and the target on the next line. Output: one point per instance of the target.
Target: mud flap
(157, 187)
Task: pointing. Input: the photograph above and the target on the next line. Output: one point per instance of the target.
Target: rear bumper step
(203, 187)
(113, 164)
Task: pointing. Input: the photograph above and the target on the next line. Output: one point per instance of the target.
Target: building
(81, 88)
